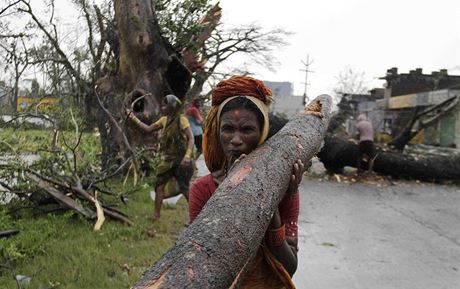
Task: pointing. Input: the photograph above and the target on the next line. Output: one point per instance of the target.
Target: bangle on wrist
(135, 119)
(188, 153)
(276, 237)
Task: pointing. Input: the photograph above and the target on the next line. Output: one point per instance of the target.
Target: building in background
(26, 103)
(445, 131)
(286, 103)
(406, 92)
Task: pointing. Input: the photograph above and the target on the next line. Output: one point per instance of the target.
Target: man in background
(366, 142)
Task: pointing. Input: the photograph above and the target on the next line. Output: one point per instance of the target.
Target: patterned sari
(173, 145)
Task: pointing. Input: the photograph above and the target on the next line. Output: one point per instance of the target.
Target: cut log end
(314, 108)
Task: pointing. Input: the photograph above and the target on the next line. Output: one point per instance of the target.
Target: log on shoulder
(214, 249)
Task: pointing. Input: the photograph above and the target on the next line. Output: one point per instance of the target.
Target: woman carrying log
(176, 147)
(236, 124)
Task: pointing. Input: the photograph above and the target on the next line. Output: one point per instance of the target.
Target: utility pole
(306, 64)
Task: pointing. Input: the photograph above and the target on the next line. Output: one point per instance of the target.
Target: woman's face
(239, 133)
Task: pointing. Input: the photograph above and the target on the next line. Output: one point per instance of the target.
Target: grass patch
(62, 251)
(34, 140)
(26, 140)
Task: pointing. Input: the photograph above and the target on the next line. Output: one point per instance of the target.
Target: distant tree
(15, 59)
(35, 88)
(349, 82)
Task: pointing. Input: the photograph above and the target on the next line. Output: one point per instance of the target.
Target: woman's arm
(284, 247)
(285, 252)
(147, 128)
(190, 143)
(199, 194)
(199, 118)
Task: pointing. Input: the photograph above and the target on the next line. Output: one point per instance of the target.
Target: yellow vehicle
(26, 103)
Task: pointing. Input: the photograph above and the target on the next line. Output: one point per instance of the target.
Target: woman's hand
(218, 176)
(185, 161)
(296, 177)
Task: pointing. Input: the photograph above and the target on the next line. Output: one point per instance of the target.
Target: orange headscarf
(237, 86)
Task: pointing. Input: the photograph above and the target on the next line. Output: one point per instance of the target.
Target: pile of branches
(64, 177)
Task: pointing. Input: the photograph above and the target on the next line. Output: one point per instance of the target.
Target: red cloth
(203, 188)
(194, 112)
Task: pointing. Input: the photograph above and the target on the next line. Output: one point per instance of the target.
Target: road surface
(356, 235)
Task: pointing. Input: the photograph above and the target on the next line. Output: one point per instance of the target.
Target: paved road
(362, 236)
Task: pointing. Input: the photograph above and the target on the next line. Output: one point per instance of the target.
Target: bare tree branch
(8, 6)
(53, 40)
(115, 123)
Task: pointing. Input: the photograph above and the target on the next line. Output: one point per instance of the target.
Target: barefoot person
(176, 146)
(366, 143)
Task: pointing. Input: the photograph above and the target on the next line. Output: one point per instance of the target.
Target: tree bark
(215, 248)
(338, 153)
(147, 61)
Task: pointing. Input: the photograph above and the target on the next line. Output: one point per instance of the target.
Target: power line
(306, 70)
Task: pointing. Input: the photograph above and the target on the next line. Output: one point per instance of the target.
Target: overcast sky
(368, 35)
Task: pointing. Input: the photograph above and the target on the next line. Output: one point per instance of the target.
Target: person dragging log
(366, 143)
(176, 147)
(236, 124)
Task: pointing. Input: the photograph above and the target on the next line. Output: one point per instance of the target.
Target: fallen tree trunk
(338, 153)
(215, 248)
